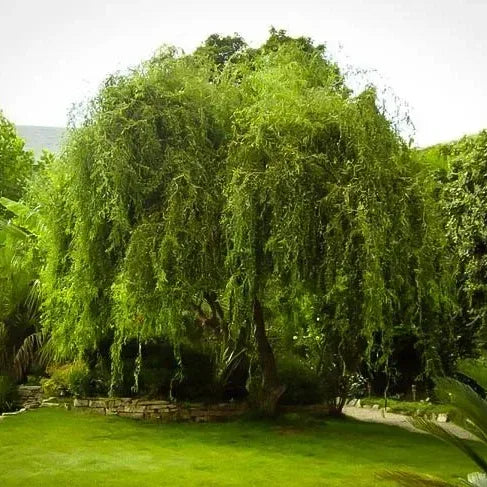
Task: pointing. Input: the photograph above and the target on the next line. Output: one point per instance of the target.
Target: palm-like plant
(472, 409)
(20, 343)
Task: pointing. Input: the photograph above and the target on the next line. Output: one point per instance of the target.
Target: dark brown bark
(272, 389)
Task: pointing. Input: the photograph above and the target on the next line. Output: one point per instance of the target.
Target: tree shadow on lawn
(302, 434)
(336, 447)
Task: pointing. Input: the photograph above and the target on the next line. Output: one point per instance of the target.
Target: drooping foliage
(465, 204)
(132, 237)
(246, 202)
(326, 216)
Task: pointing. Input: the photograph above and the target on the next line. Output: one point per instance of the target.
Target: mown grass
(66, 448)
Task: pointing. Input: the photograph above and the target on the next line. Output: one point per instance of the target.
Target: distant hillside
(38, 138)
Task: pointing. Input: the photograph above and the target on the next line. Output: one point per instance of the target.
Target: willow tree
(250, 193)
(132, 208)
(324, 217)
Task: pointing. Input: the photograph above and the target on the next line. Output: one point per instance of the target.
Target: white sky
(433, 53)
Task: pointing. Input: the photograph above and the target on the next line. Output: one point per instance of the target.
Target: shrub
(155, 382)
(197, 381)
(158, 366)
(69, 379)
(303, 386)
(8, 393)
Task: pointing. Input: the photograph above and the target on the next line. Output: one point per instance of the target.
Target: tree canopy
(248, 203)
(15, 162)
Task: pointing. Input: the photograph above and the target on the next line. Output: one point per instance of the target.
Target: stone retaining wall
(30, 396)
(161, 410)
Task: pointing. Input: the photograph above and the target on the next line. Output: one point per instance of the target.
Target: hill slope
(38, 138)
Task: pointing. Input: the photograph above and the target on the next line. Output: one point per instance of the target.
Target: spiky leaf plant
(472, 408)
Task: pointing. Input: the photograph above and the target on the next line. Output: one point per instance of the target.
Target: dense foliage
(465, 203)
(15, 162)
(471, 411)
(18, 305)
(239, 220)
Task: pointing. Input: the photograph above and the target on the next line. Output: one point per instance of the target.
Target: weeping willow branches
(255, 177)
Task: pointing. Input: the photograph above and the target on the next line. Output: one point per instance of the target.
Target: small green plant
(424, 409)
(70, 379)
(303, 386)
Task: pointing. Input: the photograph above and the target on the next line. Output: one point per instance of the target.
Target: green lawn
(55, 448)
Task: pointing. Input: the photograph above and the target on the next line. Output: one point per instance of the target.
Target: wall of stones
(30, 396)
(161, 410)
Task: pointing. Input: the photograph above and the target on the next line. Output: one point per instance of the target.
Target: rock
(81, 403)
(138, 409)
(155, 404)
(201, 419)
(442, 418)
(49, 399)
(97, 404)
(50, 405)
(98, 410)
(113, 403)
(161, 410)
(30, 396)
(358, 404)
(14, 413)
(376, 406)
(184, 415)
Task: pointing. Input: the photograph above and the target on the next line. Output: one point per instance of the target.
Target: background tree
(15, 162)
(18, 284)
(464, 199)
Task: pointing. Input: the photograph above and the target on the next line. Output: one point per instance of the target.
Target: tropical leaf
(476, 479)
(33, 348)
(476, 370)
(436, 430)
(25, 217)
(410, 479)
(471, 405)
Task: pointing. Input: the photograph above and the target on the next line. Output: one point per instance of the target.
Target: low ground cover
(58, 447)
(411, 408)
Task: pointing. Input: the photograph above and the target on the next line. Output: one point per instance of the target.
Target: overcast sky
(431, 52)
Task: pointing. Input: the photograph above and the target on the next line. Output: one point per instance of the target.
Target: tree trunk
(272, 389)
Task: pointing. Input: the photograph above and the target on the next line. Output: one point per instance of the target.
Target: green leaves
(16, 164)
(242, 174)
(464, 200)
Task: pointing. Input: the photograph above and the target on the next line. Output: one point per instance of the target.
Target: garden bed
(424, 409)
